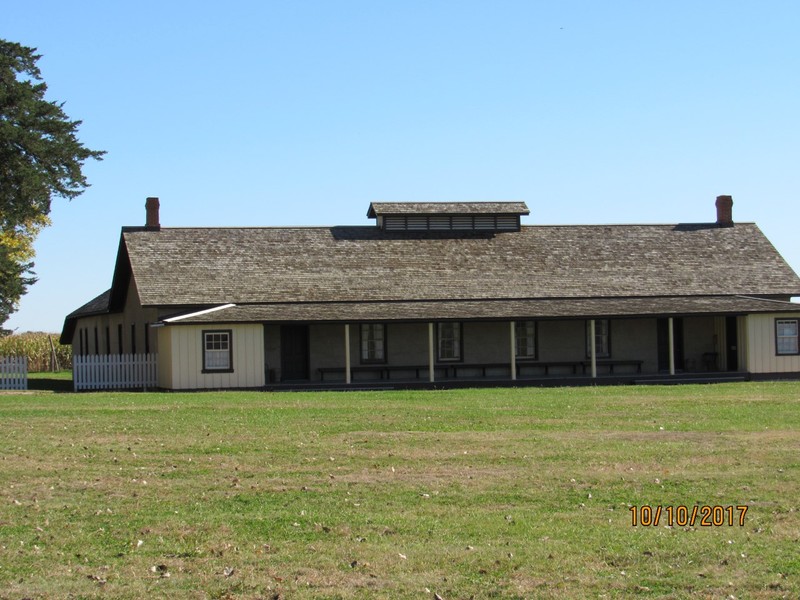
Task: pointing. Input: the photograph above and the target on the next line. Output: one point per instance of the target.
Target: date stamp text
(688, 516)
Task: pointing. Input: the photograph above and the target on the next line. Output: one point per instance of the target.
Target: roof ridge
(709, 224)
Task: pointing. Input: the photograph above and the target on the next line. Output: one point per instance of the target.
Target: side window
(217, 351)
(525, 336)
(602, 338)
(786, 336)
(373, 343)
(448, 341)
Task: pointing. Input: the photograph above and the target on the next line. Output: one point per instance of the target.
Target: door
(294, 352)
(732, 343)
(663, 343)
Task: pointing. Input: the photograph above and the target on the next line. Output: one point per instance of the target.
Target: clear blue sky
(301, 113)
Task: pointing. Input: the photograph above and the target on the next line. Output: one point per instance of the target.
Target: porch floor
(548, 381)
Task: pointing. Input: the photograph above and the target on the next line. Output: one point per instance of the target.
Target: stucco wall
(635, 339)
(486, 342)
(408, 343)
(631, 339)
(326, 344)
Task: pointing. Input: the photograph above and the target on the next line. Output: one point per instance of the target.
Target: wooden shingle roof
(203, 267)
(569, 308)
(377, 209)
(96, 306)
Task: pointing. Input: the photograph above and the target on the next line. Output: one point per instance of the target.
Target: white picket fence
(13, 372)
(115, 371)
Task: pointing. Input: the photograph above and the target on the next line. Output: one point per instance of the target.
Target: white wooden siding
(760, 339)
(186, 353)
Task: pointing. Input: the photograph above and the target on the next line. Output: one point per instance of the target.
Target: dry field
(507, 493)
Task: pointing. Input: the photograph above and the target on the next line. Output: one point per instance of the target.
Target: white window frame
(217, 351)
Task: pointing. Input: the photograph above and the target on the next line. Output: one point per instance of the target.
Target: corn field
(36, 347)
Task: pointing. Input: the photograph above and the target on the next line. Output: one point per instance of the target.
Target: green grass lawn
(55, 375)
(501, 493)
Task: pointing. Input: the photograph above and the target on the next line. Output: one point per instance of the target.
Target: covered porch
(526, 350)
(483, 343)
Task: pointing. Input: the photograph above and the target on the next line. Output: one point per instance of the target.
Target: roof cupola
(492, 217)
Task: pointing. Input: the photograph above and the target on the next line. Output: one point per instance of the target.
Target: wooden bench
(379, 369)
(383, 371)
(452, 369)
(547, 365)
(611, 363)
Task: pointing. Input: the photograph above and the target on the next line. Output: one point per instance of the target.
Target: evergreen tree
(40, 158)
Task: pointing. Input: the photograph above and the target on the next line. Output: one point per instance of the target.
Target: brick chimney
(151, 207)
(724, 211)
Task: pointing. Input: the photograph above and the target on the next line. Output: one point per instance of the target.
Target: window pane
(217, 359)
(787, 336)
(372, 342)
(217, 350)
(525, 334)
(601, 338)
(449, 341)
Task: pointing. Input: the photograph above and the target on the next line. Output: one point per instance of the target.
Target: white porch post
(430, 353)
(671, 335)
(593, 348)
(347, 374)
(513, 351)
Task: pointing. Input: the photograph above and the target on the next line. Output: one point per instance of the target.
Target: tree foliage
(40, 158)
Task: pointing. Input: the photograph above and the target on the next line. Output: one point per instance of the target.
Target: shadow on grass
(50, 384)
